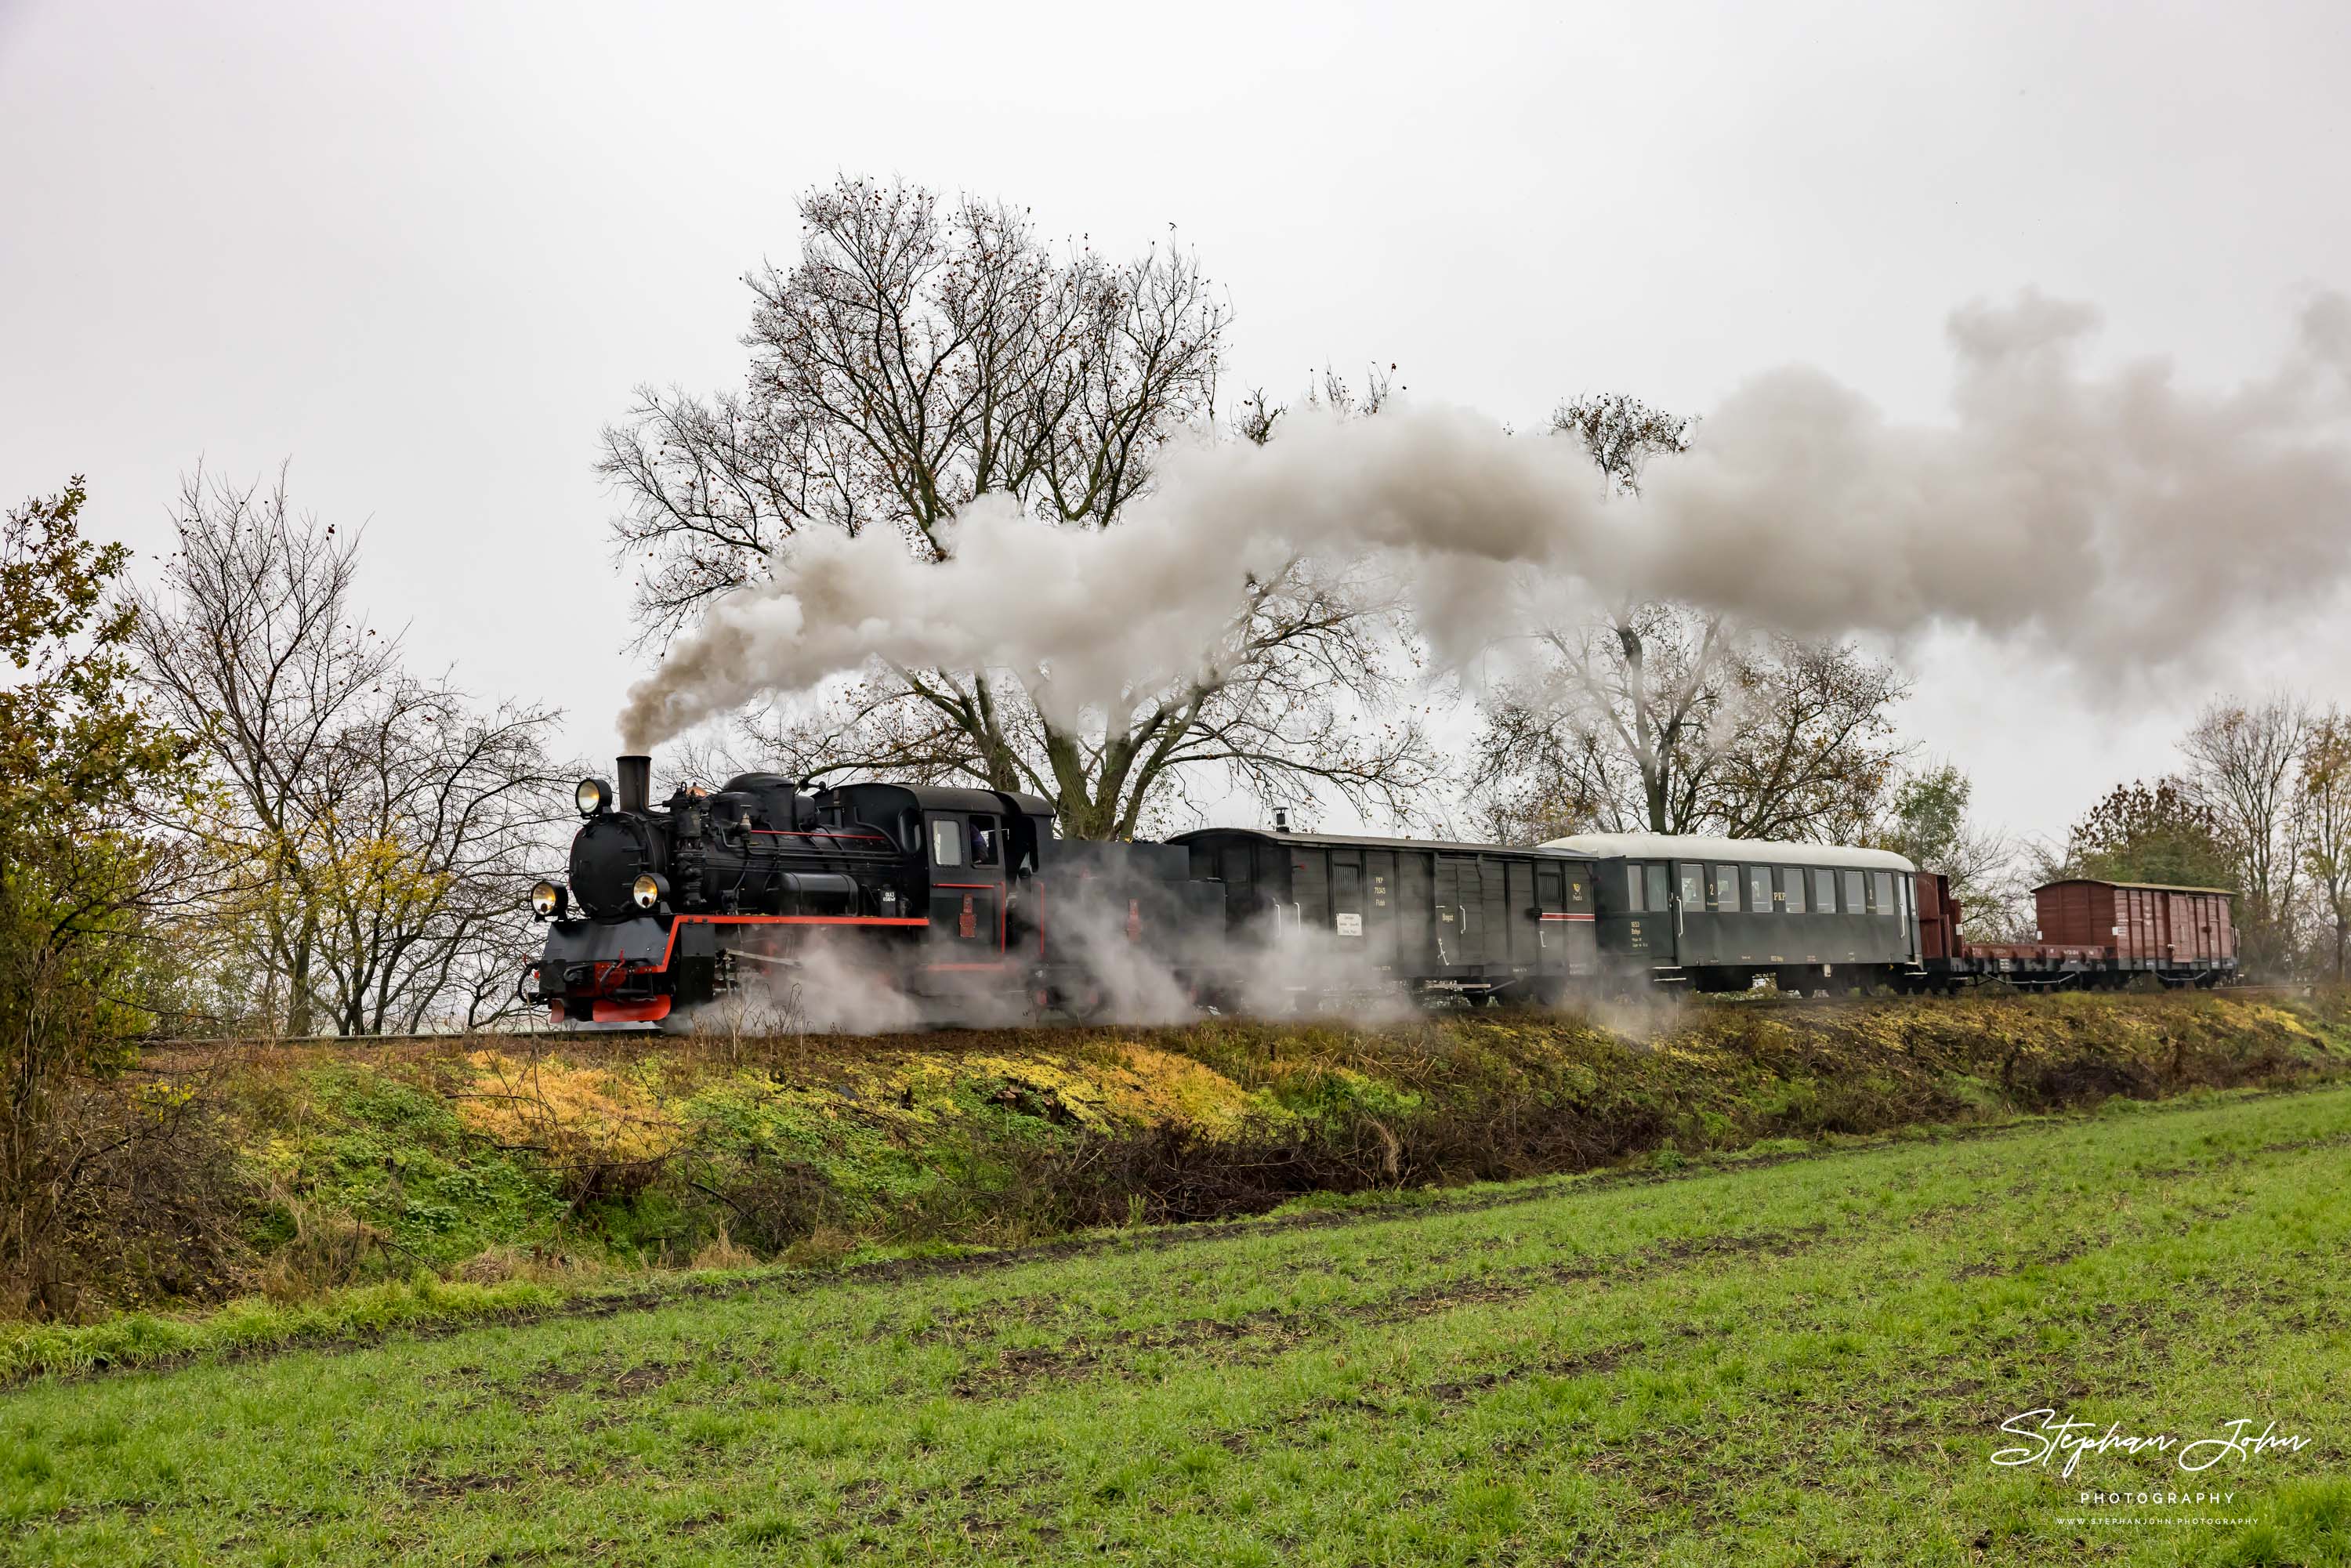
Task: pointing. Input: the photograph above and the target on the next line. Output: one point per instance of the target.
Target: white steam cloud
(2114, 520)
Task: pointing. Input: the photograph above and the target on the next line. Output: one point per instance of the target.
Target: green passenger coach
(1723, 914)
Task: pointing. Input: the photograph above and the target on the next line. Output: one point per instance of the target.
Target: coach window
(1660, 896)
(1791, 882)
(1759, 889)
(1726, 887)
(1823, 891)
(983, 841)
(946, 841)
(1692, 879)
(1855, 884)
(1885, 891)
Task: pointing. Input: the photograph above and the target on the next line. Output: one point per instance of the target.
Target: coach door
(1550, 919)
(1460, 911)
(1347, 901)
(1636, 911)
(1695, 928)
(966, 890)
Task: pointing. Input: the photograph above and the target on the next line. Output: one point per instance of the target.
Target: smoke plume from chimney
(2111, 520)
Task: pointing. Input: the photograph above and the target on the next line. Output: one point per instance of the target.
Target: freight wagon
(2093, 935)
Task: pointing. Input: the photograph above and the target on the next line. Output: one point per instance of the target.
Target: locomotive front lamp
(649, 889)
(595, 796)
(547, 899)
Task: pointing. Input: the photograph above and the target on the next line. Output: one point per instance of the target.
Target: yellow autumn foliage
(574, 1113)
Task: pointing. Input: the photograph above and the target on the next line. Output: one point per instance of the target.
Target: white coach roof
(1752, 852)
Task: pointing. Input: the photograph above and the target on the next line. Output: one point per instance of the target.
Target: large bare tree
(1661, 719)
(2245, 763)
(920, 353)
(371, 831)
(1664, 718)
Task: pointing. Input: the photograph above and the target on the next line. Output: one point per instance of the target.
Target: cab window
(1759, 889)
(1726, 887)
(984, 845)
(947, 840)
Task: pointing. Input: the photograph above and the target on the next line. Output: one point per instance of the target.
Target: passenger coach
(1718, 915)
(1476, 920)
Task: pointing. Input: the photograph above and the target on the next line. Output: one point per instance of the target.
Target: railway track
(562, 1036)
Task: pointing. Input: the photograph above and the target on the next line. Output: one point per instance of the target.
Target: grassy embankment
(375, 1186)
(1795, 1363)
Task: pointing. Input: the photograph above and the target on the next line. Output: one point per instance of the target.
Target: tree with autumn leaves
(86, 774)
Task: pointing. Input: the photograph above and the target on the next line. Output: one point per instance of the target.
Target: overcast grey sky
(426, 250)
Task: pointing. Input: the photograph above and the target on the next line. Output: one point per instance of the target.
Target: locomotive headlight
(649, 889)
(594, 795)
(547, 899)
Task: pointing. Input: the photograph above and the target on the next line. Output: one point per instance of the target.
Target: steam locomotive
(924, 891)
(964, 902)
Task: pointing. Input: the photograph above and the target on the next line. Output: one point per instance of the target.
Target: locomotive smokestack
(636, 782)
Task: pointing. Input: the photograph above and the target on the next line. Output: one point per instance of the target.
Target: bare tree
(918, 356)
(1621, 433)
(1668, 721)
(2324, 788)
(430, 818)
(254, 647)
(2244, 762)
(1661, 718)
(370, 829)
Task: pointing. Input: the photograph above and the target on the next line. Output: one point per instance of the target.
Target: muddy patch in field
(449, 1489)
(1271, 1332)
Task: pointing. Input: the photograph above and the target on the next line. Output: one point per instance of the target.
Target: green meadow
(1800, 1357)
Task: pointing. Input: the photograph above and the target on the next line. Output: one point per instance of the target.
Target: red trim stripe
(670, 951)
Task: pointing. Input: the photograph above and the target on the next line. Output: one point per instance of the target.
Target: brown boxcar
(2141, 922)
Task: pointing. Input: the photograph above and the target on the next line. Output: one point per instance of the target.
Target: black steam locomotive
(964, 902)
(920, 890)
